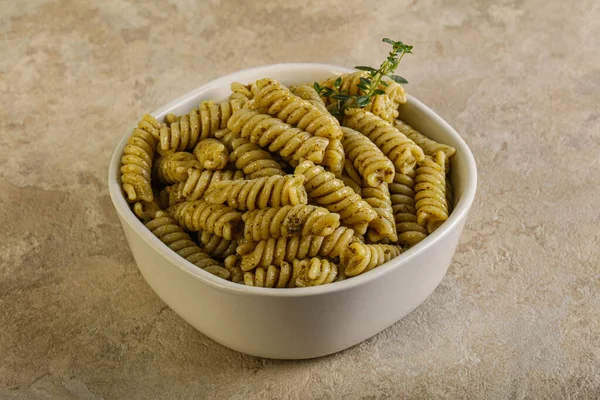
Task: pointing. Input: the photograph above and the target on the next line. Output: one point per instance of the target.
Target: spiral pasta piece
(240, 89)
(185, 132)
(273, 191)
(287, 221)
(405, 212)
(333, 157)
(351, 177)
(171, 195)
(383, 226)
(430, 197)
(232, 265)
(386, 105)
(292, 144)
(214, 116)
(175, 167)
(396, 93)
(402, 151)
(367, 158)
(171, 118)
(351, 184)
(271, 276)
(216, 246)
(274, 251)
(249, 157)
(328, 191)
(136, 165)
(200, 215)
(280, 102)
(383, 105)
(145, 211)
(300, 273)
(430, 147)
(241, 99)
(307, 92)
(349, 84)
(212, 154)
(197, 184)
(359, 258)
(352, 173)
(314, 272)
(151, 125)
(171, 234)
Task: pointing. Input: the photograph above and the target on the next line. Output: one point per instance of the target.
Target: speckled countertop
(517, 316)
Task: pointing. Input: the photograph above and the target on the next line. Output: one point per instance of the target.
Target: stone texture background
(517, 316)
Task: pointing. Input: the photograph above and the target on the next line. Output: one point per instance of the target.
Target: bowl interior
(463, 170)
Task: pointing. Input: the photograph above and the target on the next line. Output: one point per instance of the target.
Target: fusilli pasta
(200, 215)
(274, 251)
(287, 221)
(232, 265)
(328, 191)
(196, 185)
(314, 272)
(405, 212)
(249, 157)
(170, 195)
(430, 188)
(136, 166)
(272, 191)
(351, 177)
(199, 124)
(300, 273)
(367, 158)
(307, 92)
(216, 246)
(280, 102)
(430, 147)
(292, 144)
(402, 151)
(271, 277)
(383, 226)
(359, 258)
(175, 167)
(180, 242)
(151, 125)
(241, 89)
(145, 211)
(212, 154)
(333, 157)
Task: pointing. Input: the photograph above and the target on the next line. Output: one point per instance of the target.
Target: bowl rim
(127, 216)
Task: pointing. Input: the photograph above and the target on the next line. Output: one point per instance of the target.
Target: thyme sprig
(368, 86)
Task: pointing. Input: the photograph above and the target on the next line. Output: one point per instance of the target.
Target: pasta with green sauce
(286, 187)
(276, 250)
(290, 143)
(136, 166)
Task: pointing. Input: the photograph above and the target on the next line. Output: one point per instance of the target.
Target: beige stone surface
(517, 316)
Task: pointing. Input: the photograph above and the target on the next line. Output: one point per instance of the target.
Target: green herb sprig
(369, 85)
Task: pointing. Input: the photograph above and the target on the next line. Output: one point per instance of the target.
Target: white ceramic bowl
(303, 322)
